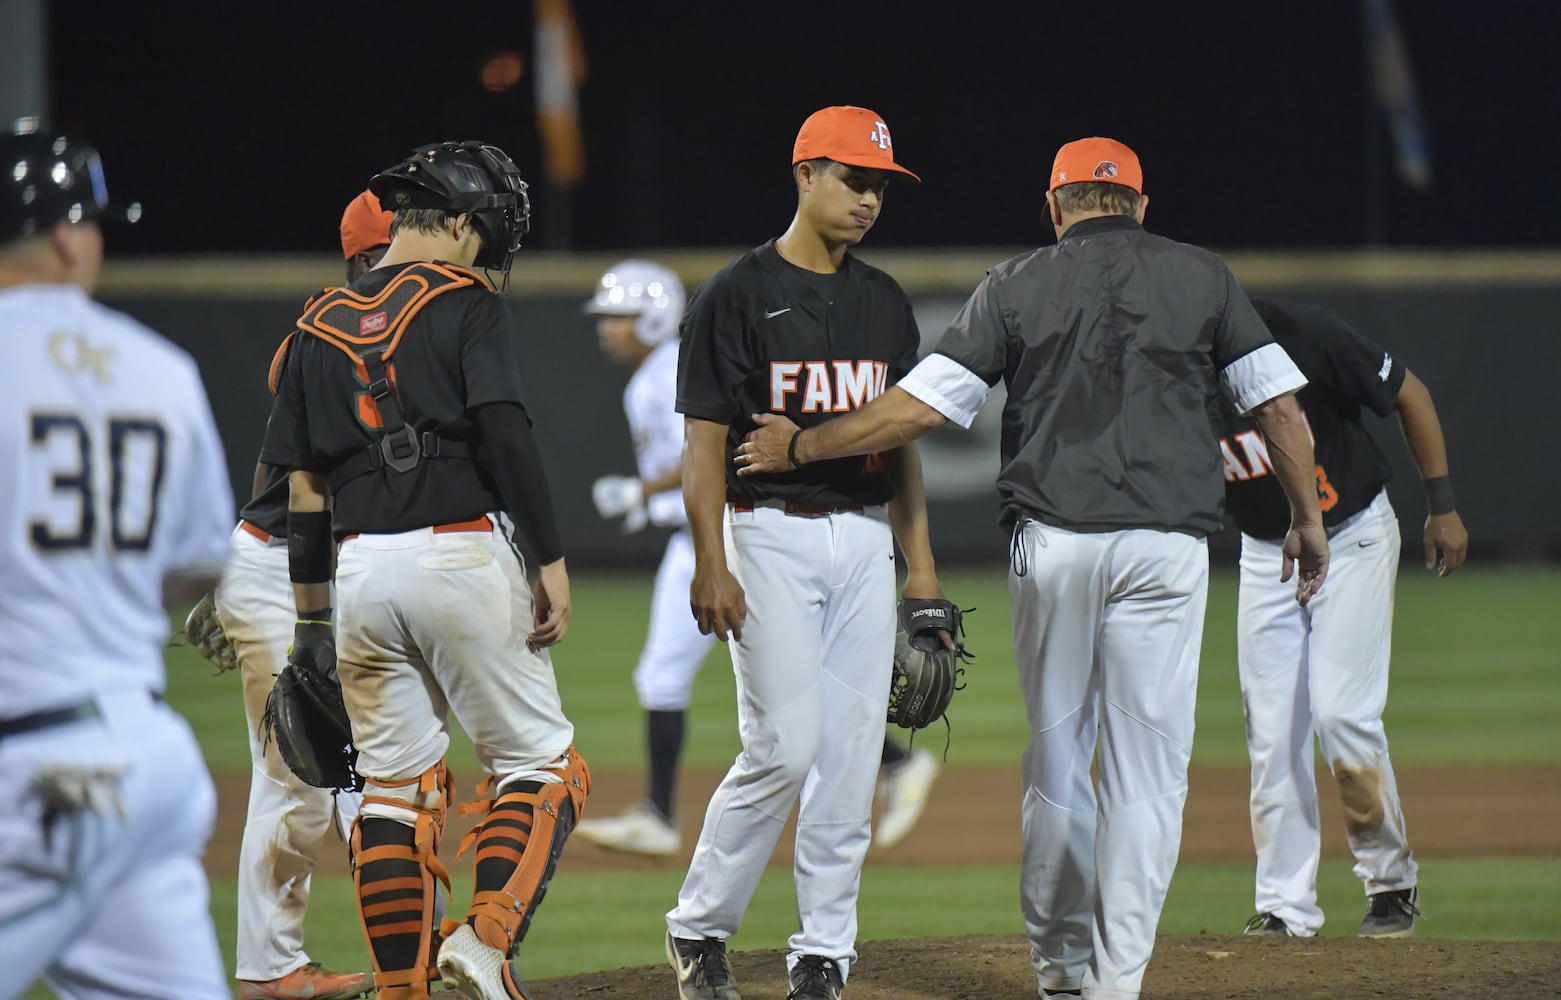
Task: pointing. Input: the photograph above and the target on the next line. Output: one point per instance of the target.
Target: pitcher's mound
(1204, 966)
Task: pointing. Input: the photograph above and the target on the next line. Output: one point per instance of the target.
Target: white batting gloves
(621, 496)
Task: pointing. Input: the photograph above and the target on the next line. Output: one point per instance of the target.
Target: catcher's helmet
(47, 178)
(461, 177)
(643, 289)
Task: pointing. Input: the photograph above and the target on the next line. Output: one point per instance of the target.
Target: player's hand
(764, 449)
(1305, 549)
(616, 496)
(925, 587)
(1445, 534)
(718, 602)
(551, 596)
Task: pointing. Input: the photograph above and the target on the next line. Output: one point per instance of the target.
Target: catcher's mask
(462, 177)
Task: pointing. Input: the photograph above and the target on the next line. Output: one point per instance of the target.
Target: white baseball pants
(1107, 629)
(285, 829)
(1324, 669)
(431, 622)
(813, 671)
(107, 905)
(674, 648)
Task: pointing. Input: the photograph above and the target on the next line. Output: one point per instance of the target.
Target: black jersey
(766, 336)
(267, 510)
(459, 352)
(1344, 373)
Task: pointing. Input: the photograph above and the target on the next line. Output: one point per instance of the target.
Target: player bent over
(1323, 669)
(401, 415)
(248, 623)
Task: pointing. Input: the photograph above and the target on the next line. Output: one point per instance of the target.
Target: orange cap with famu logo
(854, 136)
(1096, 159)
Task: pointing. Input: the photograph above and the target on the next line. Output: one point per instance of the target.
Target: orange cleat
(310, 982)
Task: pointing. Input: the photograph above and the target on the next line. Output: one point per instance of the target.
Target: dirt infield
(998, 968)
(1450, 811)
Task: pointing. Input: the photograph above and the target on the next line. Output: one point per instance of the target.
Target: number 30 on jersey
(74, 507)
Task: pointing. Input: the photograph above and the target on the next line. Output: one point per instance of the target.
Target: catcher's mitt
(204, 631)
(306, 715)
(926, 673)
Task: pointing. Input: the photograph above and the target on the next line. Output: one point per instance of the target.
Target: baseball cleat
(309, 982)
(904, 788)
(815, 977)
(703, 972)
(1390, 914)
(642, 830)
(475, 970)
(1266, 925)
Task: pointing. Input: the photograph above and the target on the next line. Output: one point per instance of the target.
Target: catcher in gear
(927, 653)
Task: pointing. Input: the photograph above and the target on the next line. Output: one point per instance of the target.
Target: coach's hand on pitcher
(551, 596)
(1305, 550)
(767, 448)
(718, 602)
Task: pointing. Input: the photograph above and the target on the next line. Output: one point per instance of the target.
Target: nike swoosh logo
(771, 315)
(1368, 543)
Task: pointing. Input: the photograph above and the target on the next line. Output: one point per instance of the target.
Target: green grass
(1474, 681)
(1474, 677)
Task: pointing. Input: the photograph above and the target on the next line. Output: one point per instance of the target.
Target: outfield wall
(1483, 330)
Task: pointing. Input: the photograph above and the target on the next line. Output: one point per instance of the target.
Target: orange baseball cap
(364, 225)
(854, 136)
(1097, 159)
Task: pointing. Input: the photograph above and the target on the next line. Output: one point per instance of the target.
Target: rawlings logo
(1105, 169)
(373, 323)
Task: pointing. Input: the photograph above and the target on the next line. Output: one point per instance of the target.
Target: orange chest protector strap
(368, 329)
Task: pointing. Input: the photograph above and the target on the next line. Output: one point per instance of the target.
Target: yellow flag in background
(560, 69)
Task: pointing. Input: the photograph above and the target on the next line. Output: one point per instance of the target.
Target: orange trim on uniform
(481, 523)
(251, 528)
(274, 376)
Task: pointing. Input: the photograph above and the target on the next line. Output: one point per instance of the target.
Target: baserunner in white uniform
(1323, 668)
(637, 306)
(116, 505)
(1111, 343)
(798, 569)
(286, 827)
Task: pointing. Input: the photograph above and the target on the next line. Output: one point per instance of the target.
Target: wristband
(791, 451)
(309, 546)
(1439, 495)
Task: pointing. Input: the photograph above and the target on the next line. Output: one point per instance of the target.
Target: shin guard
(518, 845)
(395, 865)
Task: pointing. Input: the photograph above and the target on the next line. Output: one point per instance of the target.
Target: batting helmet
(462, 177)
(648, 291)
(47, 178)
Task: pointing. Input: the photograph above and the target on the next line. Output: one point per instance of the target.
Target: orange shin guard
(395, 865)
(518, 847)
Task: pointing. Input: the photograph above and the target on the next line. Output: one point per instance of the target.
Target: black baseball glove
(926, 672)
(306, 715)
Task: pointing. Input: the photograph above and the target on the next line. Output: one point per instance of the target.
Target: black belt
(47, 718)
(51, 717)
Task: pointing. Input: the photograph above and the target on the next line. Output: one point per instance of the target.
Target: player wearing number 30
(116, 503)
(1324, 668)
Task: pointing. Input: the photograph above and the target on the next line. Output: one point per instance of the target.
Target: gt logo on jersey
(880, 135)
(827, 386)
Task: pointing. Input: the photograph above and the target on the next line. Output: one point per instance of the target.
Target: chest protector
(368, 329)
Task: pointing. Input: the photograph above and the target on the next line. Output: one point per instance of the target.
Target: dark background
(247, 127)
